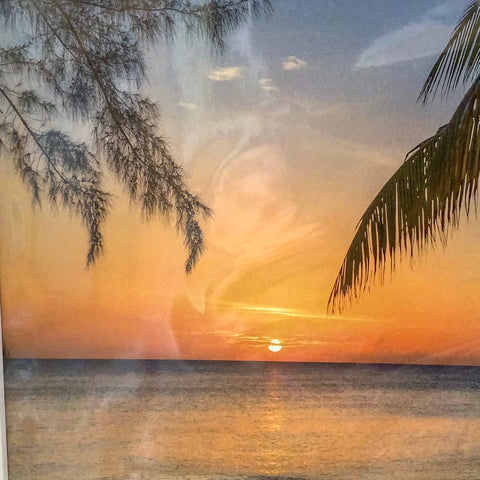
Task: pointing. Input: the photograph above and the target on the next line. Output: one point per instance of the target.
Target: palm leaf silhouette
(438, 180)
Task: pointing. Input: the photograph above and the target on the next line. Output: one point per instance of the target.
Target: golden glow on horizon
(275, 345)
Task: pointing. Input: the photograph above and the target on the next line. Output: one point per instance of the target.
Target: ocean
(158, 420)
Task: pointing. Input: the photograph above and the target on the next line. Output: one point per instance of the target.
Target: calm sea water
(227, 420)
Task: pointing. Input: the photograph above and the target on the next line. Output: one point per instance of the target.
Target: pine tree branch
(32, 134)
(80, 51)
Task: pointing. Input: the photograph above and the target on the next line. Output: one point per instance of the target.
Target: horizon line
(185, 360)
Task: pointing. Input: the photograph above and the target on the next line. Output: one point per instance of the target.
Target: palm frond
(419, 204)
(460, 59)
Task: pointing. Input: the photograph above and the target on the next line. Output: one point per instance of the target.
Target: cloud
(188, 106)
(418, 39)
(225, 74)
(413, 41)
(270, 310)
(453, 8)
(293, 63)
(262, 341)
(267, 84)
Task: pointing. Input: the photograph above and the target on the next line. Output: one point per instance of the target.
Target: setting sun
(275, 345)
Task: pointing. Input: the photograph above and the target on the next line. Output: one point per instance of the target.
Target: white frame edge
(3, 426)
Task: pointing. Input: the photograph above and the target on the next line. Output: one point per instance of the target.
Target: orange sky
(288, 165)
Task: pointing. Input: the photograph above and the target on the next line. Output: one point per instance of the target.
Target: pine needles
(85, 60)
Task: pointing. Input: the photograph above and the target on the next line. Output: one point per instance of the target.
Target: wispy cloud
(417, 39)
(413, 41)
(293, 63)
(267, 310)
(262, 341)
(188, 106)
(289, 312)
(267, 84)
(225, 74)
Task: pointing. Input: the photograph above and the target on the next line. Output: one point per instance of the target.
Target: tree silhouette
(85, 59)
(438, 181)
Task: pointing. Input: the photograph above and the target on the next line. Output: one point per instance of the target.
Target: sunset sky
(287, 137)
